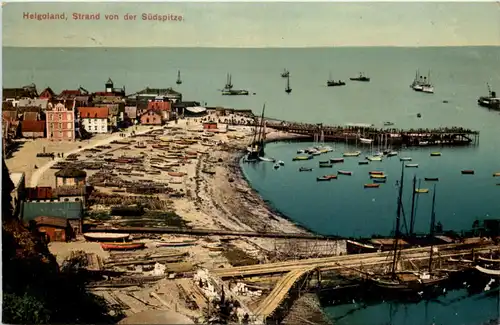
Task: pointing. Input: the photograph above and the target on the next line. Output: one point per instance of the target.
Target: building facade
(152, 117)
(94, 119)
(60, 123)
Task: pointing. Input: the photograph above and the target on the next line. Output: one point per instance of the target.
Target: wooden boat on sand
(122, 246)
(105, 236)
(176, 174)
(182, 243)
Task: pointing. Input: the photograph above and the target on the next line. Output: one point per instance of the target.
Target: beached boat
(354, 247)
(411, 165)
(435, 154)
(177, 174)
(422, 190)
(305, 169)
(362, 162)
(122, 246)
(351, 154)
(376, 172)
(372, 185)
(431, 179)
(379, 180)
(302, 158)
(468, 172)
(105, 236)
(378, 176)
(325, 165)
(183, 243)
(405, 159)
(344, 172)
(322, 178)
(496, 175)
(374, 158)
(337, 160)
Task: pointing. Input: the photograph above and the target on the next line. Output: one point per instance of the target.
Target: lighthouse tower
(109, 86)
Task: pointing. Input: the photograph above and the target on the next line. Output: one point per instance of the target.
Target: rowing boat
(105, 236)
(372, 185)
(431, 179)
(376, 172)
(122, 246)
(411, 165)
(422, 190)
(344, 172)
(378, 176)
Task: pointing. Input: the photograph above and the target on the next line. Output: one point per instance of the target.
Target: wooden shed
(54, 228)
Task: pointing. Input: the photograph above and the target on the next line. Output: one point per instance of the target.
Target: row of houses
(66, 116)
(56, 212)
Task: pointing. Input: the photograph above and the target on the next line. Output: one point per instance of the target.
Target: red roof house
(33, 129)
(93, 112)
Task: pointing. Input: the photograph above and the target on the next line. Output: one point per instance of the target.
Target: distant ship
(285, 73)
(288, 89)
(361, 77)
(422, 84)
(179, 81)
(332, 83)
(234, 92)
(491, 101)
(229, 84)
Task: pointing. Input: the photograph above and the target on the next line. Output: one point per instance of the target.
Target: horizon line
(257, 47)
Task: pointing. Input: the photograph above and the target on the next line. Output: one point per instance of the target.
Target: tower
(109, 86)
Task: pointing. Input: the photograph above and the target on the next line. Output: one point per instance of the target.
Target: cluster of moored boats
(122, 242)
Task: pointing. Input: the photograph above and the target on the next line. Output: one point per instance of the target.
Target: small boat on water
(351, 154)
(337, 160)
(105, 236)
(431, 179)
(322, 178)
(276, 166)
(281, 163)
(235, 92)
(392, 153)
(411, 165)
(379, 180)
(361, 77)
(325, 165)
(422, 190)
(378, 176)
(372, 185)
(376, 172)
(374, 158)
(435, 154)
(300, 151)
(405, 159)
(331, 176)
(285, 73)
(365, 140)
(267, 159)
(122, 246)
(305, 169)
(388, 123)
(467, 172)
(324, 162)
(362, 162)
(496, 174)
(302, 158)
(344, 172)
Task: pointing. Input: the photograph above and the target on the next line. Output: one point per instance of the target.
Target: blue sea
(342, 206)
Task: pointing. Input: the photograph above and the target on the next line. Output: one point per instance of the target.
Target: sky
(258, 24)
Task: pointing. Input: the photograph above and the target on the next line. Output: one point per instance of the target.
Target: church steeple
(109, 86)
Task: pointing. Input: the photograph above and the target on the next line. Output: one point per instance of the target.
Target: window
(95, 128)
(147, 120)
(59, 116)
(60, 126)
(60, 134)
(95, 120)
(69, 126)
(66, 200)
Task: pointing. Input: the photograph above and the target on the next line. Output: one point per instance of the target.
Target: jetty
(409, 137)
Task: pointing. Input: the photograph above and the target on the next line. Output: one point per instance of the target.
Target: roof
(51, 221)
(93, 112)
(39, 193)
(28, 102)
(16, 178)
(162, 106)
(32, 126)
(30, 116)
(70, 172)
(388, 241)
(68, 210)
(25, 91)
(196, 110)
(157, 91)
(46, 91)
(70, 191)
(109, 81)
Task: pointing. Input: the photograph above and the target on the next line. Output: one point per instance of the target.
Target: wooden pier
(382, 136)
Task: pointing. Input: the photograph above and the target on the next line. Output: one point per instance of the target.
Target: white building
(94, 119)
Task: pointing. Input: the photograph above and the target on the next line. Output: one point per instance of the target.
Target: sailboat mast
(260, 138)
(414, 195)
(398, 221)
(431, 232)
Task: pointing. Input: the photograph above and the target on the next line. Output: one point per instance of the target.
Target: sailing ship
(288, 89)
(422, 83)
(491, 101)
(408, 282)
(229, 84)
(332, 83)
(179, 81)
(361, 77)
(256, 148)
(285, 73)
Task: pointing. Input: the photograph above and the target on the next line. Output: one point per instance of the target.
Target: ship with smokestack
(422, 83)
(491, 101)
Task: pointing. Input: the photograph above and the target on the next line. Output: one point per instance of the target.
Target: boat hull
(122, 246)
(105, 237)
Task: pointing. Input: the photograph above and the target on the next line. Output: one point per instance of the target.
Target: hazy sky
(257, 24)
